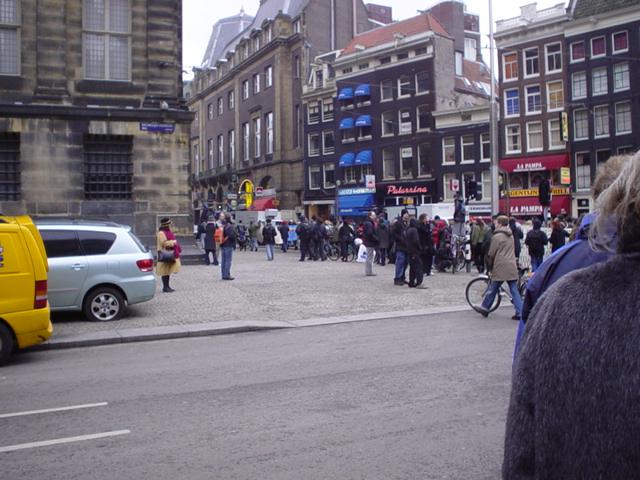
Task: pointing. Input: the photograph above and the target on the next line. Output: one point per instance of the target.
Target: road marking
(59, 441)
(50, 410)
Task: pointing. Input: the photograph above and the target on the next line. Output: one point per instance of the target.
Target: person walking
(241, 235)
(384, 235)
(304, 233)
(345, 237)
(321, 236)
(414, 250)
(398, 233)
(426, 243)
(477, 240)
(166, 241)
(558, 235)
(536, 241)
(269, 238)
(518, 235)
(283, 228)
(313, 238)
(501, 261)
(253, 235)
(209, 242)
(370, 239)
(228, 242)
(574, 410)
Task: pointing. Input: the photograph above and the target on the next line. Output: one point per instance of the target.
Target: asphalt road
(409, 398)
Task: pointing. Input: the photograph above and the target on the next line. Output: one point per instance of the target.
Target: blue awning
(363, 90)
(347, 160)
(363, 121)
(356, 205)
(365, 157)
(346, 94)
(346, 123)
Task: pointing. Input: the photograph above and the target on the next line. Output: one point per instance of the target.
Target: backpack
(268, 233)
(242, 233)
(219, 237)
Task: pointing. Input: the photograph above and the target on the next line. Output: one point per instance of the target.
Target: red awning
(530, 206)
(535, 164)
(263, 203)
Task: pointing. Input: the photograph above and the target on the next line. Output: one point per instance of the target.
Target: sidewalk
(284, 293)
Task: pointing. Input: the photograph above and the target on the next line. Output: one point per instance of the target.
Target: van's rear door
(17, 283)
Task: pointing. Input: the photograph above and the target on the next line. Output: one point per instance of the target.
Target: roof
(412, 26)
(475, 79)
(222, 33)
(587, 8)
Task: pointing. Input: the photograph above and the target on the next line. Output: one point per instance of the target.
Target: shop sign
(529, 167)
(565, 176)
(356, 191)
(265, 192)
(157, 127)
(476, 208)
(533, 192)
(401, 190)
(370, 181)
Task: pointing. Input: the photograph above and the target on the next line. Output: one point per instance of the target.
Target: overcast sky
(200, 15)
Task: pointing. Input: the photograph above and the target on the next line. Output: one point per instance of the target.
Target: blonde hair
(619, 209)
(607, 173)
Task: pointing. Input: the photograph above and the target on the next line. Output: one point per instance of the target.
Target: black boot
(165, 284)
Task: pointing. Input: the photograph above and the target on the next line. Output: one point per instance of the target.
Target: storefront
(356, 202)
(398, 194)
(525, 202)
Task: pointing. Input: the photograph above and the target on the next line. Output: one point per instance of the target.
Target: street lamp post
(495, 194)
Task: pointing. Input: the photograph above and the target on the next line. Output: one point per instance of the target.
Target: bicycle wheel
(475, 292)
(459, 262)
(353, 253)
(334, 252)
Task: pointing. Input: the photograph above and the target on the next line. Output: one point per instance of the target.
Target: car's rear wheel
(6, 343)
(104, 304)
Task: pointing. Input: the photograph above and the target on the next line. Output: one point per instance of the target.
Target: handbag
(166, 256)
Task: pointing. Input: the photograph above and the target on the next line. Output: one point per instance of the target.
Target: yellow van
(24, 308)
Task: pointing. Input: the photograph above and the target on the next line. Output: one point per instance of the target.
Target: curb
(133, 335)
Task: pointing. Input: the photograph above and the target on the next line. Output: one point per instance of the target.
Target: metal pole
(493, 120)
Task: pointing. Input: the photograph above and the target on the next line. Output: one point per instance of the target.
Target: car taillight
(145, 265)
(40, 299)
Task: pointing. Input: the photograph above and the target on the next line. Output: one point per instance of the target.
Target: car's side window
(96, 243)
(61, 243)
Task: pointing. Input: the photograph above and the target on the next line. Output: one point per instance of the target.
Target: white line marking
(58, 441)
(50, 410)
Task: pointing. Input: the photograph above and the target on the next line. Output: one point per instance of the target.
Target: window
(404, 86)
(363, 66)
(385, 60)
(554, 57)
(9, 37)
(231, 101)
(403, 56)
(626, 150)
(388, 164)
(513, 139)
(620, 42)
(581, 124)
(96, 243)
(245, 142)
(623, 117)
(296, 66)
(422, 82)
(601, 121)
(386, 90)
(256, 43)
(511, 102)
(256, 83)
(583, 171)
(446, 181)
(577, 51)
(579, 85)
(555, 96)
(268, 123)
(510, 66)
(534, 100)
(485, 140)
(468, 148)
(531, 62)
(231, 139)
(347, 70)
(314, 144)
(599, 85)
(106, 39)
(387, 124)
(350, 174)
(297, 131)
(61, 243)
(448, 151)
(621, 77)
(471, 49)
(257, 138)
(406, 126)
(406, 162)
(220, 106)
(313, 113)
(268, 35)
(555, 135)
(108, 167)
(268, 77)
(329, 175)
(297, 26)
(486, 185)
(210, 111)
(602, 156)
(315, 177)
(245, 89)
(423, 117)
(420, 51)
(9, 166)
(598, 47)
(328, 142)
(348, 135)
(424, 162)
(220, 150)
(327, 110)
(210, 160)
(534, 136)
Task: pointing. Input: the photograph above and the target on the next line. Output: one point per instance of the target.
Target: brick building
(91, 118)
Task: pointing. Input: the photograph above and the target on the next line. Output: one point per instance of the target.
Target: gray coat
(501, 259)
(384, 235)
(575, 400)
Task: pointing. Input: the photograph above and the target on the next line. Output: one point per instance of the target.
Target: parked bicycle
(458, 245)
(477, 289)
(333, 252)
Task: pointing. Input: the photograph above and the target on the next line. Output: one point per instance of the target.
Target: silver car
(96, 267)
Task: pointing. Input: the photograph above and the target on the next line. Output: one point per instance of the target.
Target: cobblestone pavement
(283, 290)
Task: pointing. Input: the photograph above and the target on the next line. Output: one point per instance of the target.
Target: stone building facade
(92, 121)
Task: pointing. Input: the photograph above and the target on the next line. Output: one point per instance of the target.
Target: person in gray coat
(574, 411)
(384, 240)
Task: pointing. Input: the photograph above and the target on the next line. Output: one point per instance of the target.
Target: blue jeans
(493, 291)
(535, 263)
(401, 265)
(254, 244)
(225, 261)
(269, 248)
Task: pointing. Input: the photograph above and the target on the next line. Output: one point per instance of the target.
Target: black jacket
(558, 239)
(536, 241)
(229, 234)
(268, 234)
(426, 237)
(370, 235)
(412, 239)
(284, 232)
(346, 233)
(397, 232)
(209, 232)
